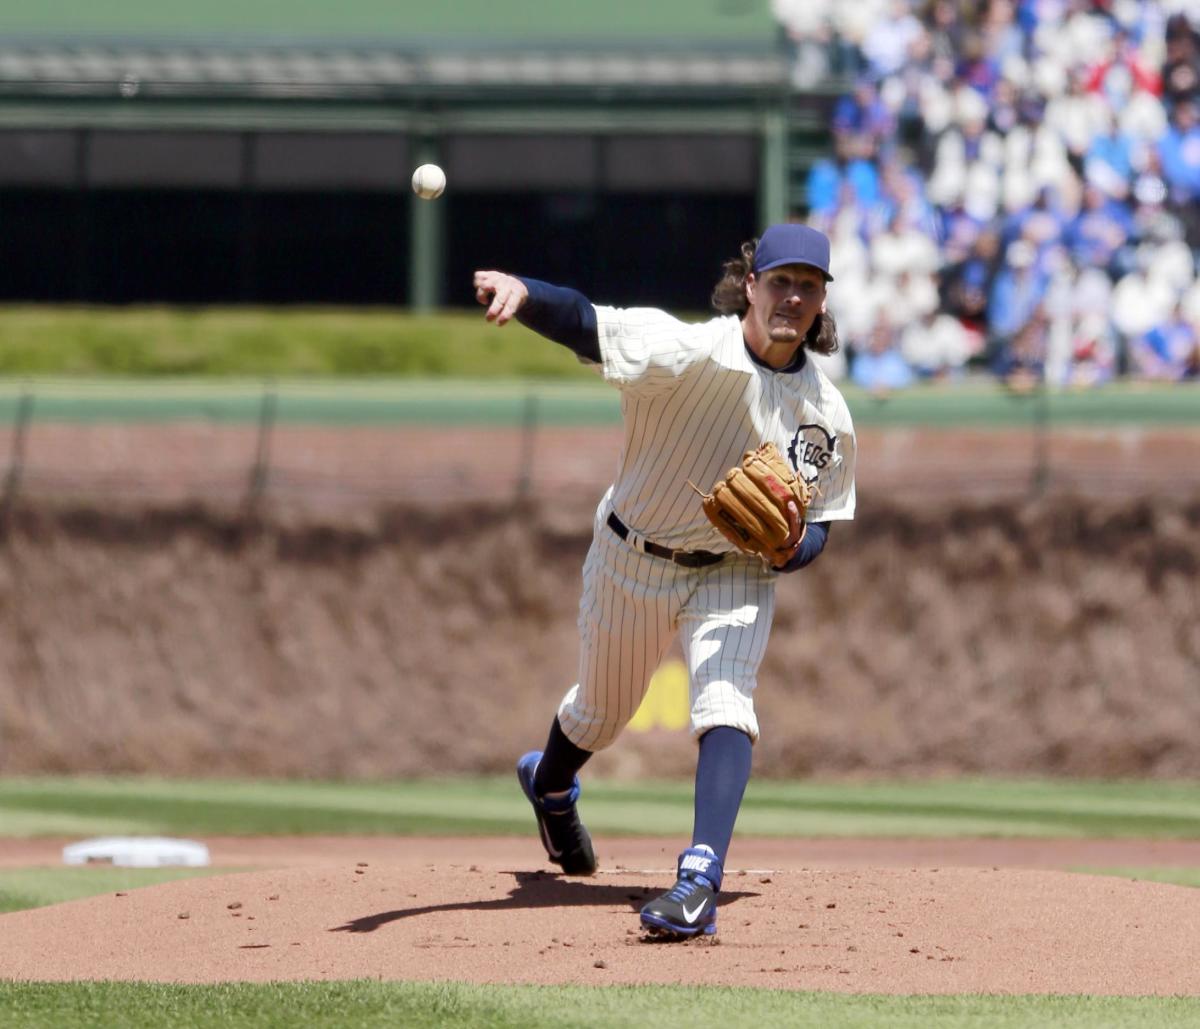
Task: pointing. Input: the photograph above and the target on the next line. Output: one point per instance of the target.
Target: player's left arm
(816, 534)
(835, 498)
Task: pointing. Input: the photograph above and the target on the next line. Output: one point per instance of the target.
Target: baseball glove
(749, 505)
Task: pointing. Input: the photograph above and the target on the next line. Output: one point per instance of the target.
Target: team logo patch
(811, 451)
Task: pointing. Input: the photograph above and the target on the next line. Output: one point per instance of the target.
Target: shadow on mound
(533, 890)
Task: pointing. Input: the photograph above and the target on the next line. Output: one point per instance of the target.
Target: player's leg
(549, 781)
(627, 620)
(725, 627)
(625, 624)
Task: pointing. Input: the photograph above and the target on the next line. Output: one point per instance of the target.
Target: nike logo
(691, 916)
(554, 852)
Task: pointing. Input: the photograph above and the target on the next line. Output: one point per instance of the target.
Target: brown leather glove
(750, 505)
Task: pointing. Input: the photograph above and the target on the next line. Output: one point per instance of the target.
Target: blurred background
(264, 468)
(1010, 186)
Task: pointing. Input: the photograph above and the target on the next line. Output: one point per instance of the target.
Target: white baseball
(429, 181)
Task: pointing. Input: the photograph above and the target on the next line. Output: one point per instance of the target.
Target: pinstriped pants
(632, 606)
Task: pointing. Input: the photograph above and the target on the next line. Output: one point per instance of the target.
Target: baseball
(429, 181)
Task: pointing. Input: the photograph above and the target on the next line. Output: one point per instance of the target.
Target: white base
(136, 852)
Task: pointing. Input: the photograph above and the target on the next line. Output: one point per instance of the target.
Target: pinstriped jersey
(693, 401)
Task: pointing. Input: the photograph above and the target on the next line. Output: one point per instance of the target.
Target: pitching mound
(886, 930)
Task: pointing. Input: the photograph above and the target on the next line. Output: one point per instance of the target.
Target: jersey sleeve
(836, 500)
(647, 351)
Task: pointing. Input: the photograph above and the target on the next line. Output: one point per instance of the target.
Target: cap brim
(791, 260)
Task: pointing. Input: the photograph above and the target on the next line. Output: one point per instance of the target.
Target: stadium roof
(280, 73)
(376, 49)
(727, 23)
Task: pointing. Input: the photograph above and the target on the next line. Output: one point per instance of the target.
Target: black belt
(687, 558)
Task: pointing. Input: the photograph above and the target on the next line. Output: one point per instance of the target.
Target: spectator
(902, 248)
(976, 67)
(966, 286)
(1108, 162)
(880, 368)
(1169, 351)
(1021, 361)
(887, 43)
(1037, 129)
(947, 31)
(1179, 152)
(806, 25)
(1093, 359)
(863, 113)
(1000, 33)
(938, 346)
(1181, 67)
(1016, 295)
(1099, 234)
(1043, 223)
(1077, 117)
(850, 177)
(1121, 70)
(1139, 303)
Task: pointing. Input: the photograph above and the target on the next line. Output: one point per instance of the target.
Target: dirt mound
(1059, 636)
(882, 930)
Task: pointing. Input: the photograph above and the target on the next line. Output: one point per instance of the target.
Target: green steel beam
(427, 242)
(773, 178)
(577, 118)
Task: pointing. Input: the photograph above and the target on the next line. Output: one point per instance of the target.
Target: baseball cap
(792, 243)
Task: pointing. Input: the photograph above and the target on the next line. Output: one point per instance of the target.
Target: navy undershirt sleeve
(562, 314)
(813, 543)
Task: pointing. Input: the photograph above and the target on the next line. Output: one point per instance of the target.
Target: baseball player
(694, 398)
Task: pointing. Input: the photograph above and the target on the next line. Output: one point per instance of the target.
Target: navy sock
(722, 771)
(560, 761)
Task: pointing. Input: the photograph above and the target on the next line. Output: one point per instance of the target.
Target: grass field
(31, 807)
(451, 1006)
(162, 341)
(492, 806)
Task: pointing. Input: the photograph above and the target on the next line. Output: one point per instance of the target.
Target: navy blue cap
(792, 243)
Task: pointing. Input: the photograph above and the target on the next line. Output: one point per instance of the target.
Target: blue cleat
(688, 908)
(566, 840)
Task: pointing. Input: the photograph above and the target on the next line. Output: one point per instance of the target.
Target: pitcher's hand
(503, 295)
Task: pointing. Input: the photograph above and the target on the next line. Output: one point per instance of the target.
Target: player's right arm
(556, 312)
(643, 350)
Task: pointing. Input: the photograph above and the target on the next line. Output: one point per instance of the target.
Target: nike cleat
(689, 907)
(564, 836)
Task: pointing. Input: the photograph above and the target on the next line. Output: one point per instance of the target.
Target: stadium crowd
(1015, 186)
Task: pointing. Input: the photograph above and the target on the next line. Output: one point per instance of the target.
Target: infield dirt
(847, 916)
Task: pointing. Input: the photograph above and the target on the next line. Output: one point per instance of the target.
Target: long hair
(729, 297)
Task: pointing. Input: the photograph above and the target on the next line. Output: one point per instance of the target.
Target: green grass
(169, 341)
(1174, 876)
(451, 1006)
(1029, 808)
(22, 888)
